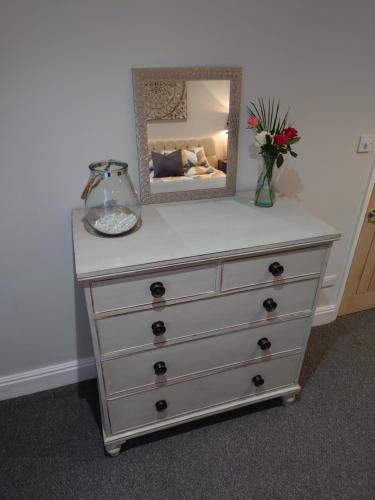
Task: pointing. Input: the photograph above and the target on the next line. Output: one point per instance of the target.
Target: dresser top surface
(190, 231)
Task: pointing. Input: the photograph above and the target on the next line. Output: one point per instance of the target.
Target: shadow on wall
(288, 183)
(254, 152)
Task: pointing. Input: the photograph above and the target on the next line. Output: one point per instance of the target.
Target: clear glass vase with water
(265, 193)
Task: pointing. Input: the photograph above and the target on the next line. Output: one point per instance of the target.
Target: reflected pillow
(189, 158)
(195, 156)
(168, 165)
(202, 158)
(151, 163)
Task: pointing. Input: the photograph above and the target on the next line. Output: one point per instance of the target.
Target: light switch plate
(365, 144)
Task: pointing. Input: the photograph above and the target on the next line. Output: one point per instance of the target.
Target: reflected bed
(214, 178)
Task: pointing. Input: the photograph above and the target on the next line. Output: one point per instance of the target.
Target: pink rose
(280, 139)
(252, 122)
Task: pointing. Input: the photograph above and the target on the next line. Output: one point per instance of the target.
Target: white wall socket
(365, 144)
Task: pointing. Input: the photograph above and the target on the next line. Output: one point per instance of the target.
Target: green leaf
(257, 111)
(283, 151)
(268, 139)
(263, 109)
(270, 118)
(293, 154)
(250, 112)
(294, 140)
(276, 119)
(279, 160)
(283, 123)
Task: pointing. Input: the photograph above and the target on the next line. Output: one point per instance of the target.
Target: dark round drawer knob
(258, 380)
(161, 405)
(160, 368)
(157, 289)
(158, 328)
(269, 305)
(264, 343)
(276, 269)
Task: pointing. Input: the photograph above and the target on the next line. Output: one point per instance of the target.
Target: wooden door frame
(355, 237)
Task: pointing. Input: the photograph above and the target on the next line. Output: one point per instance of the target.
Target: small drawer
(271, 268)
(160, 404)
(159, 324)
(164, 364)
(119, 293)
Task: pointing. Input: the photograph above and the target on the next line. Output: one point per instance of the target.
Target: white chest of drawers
(207, 307)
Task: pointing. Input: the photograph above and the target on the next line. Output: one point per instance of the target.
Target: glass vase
(265, 193)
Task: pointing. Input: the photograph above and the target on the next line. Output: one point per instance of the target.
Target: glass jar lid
(109, 168)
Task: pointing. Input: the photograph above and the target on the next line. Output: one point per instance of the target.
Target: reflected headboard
(207, 143)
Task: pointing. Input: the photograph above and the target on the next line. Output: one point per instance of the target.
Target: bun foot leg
(113, 451)
(288, 400)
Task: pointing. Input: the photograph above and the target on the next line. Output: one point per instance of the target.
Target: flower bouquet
(275, 139)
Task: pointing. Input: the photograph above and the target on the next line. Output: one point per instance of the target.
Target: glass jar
(111, 202)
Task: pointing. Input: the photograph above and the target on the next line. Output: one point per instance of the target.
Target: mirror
(187, 132)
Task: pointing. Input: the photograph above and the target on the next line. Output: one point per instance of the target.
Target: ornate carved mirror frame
(142, 75)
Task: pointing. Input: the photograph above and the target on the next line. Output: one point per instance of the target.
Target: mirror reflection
(187, 134)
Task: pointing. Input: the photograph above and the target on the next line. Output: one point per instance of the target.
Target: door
(360, 287)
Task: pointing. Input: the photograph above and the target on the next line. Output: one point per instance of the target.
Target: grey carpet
(322, 447)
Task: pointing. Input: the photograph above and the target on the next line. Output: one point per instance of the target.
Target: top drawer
(138, 290)
(270, 268)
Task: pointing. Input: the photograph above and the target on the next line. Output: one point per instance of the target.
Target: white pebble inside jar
(118, 221)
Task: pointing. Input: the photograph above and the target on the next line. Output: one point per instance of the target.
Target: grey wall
(66, 100)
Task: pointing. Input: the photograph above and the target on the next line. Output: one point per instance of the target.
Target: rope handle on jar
(90, 185)
(93, 182)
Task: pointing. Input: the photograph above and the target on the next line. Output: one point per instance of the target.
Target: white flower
(260, 139)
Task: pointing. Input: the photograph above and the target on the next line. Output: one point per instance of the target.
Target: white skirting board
(46, 378)
(72, 372)
(324, 315)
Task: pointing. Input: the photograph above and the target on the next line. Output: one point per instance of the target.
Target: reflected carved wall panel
(165, 100)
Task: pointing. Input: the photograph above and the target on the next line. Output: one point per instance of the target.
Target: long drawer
(249, 271)
(179, 320)
(166, 363)
(119, 293)
(141, 408)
